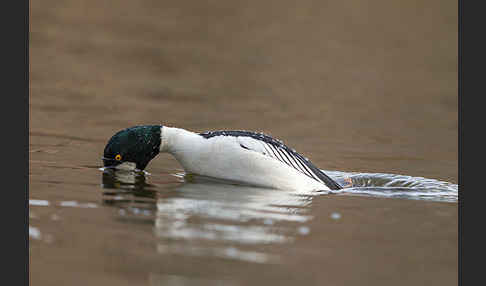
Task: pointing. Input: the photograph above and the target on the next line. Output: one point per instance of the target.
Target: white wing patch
(277, 153)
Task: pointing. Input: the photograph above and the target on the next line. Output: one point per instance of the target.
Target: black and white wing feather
(273, 148)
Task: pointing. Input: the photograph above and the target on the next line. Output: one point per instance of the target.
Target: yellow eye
(118, 157)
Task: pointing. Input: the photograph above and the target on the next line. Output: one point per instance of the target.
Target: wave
(396, 186)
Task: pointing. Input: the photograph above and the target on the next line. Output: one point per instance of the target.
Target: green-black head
(137, 145)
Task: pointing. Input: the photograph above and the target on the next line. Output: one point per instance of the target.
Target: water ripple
(397, 186)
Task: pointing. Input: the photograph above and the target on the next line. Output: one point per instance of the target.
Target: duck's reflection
(128, 191)
(201, 211)
(125, 180)
(214, 211)
(205, 208)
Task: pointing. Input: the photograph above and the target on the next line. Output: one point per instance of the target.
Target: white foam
(34, 232)
(335, 215)
(38, 202)
(77, 205)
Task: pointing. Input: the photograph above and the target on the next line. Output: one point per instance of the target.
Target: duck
(243, 157)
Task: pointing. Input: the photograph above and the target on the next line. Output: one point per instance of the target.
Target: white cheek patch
(126, 166)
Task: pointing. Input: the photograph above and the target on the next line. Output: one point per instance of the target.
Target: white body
(222, 157)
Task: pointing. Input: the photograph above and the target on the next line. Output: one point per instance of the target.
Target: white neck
(174, 140)
(187, 147)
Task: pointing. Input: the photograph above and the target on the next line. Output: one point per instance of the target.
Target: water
(204, 209)
(149, 217)
(366, 90)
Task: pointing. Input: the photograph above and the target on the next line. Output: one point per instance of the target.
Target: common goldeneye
(239, 156)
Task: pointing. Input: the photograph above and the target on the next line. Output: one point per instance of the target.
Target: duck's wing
(275, 149)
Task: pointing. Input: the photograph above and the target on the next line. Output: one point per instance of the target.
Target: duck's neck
(175, 140)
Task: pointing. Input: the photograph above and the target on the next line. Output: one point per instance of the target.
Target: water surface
(366, 90)
(175, 223)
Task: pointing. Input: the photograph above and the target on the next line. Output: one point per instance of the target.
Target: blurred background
(356, 86)
(362, 86)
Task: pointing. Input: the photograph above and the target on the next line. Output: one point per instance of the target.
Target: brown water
(363, 87)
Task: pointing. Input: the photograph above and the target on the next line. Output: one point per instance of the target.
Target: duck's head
(133, 147)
